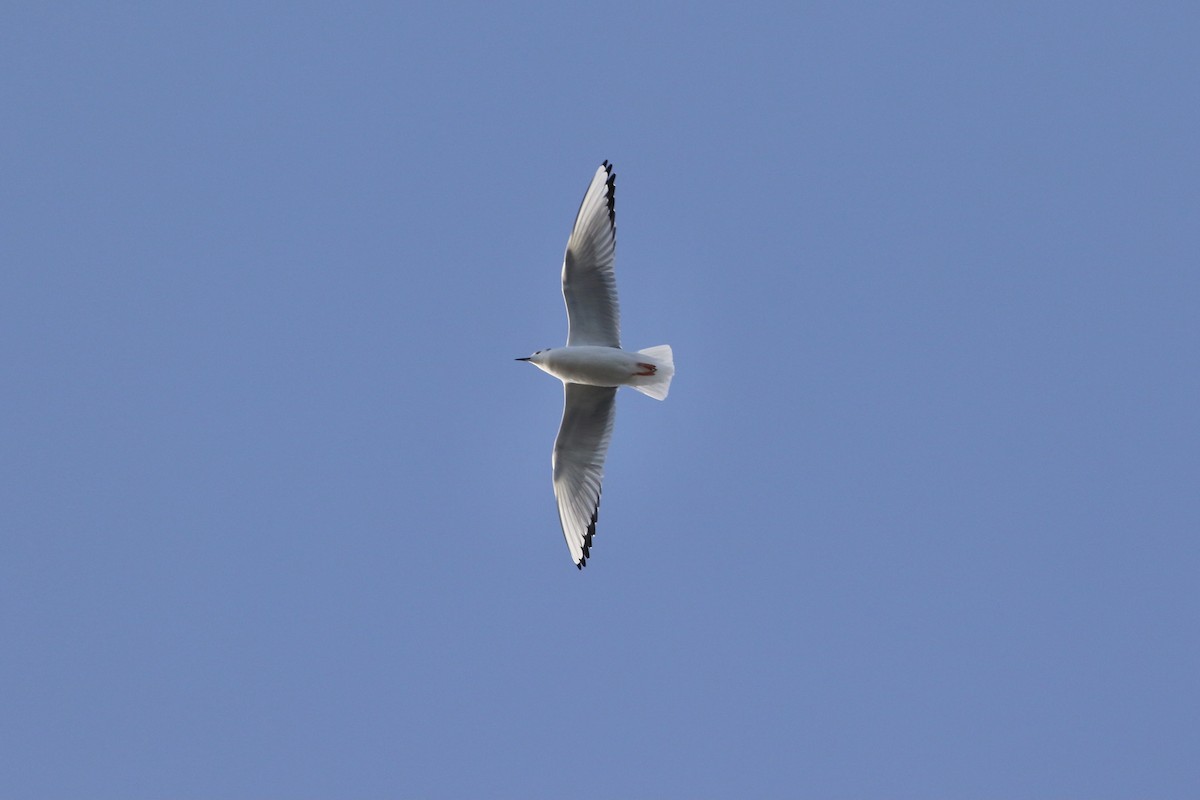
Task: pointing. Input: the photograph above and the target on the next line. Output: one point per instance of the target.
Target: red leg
(647, 370)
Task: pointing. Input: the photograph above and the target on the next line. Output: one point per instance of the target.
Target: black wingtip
(587, 539)
(612, 195)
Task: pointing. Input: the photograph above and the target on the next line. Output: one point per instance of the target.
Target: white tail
(658, 384)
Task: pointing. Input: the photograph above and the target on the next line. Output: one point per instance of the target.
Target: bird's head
(536, 358)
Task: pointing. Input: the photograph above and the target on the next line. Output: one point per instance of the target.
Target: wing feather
(579, 451)
(589, 282)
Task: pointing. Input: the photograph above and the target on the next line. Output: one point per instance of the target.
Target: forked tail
(655, 380)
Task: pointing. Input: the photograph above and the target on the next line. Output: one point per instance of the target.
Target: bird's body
(592, 364)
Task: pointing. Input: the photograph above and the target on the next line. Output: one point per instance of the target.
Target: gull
(593, 365)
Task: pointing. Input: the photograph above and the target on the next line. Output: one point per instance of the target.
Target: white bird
(593, 365)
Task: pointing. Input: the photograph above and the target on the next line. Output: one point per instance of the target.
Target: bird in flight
(592, 364)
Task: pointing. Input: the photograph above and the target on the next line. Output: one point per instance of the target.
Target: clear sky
(920, 518)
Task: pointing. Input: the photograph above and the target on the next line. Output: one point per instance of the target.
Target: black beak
(521, 359)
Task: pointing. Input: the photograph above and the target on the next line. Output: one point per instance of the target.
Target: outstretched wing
(589, 284)
(579, 450)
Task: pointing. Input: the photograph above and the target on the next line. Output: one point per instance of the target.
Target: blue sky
(919, 519)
